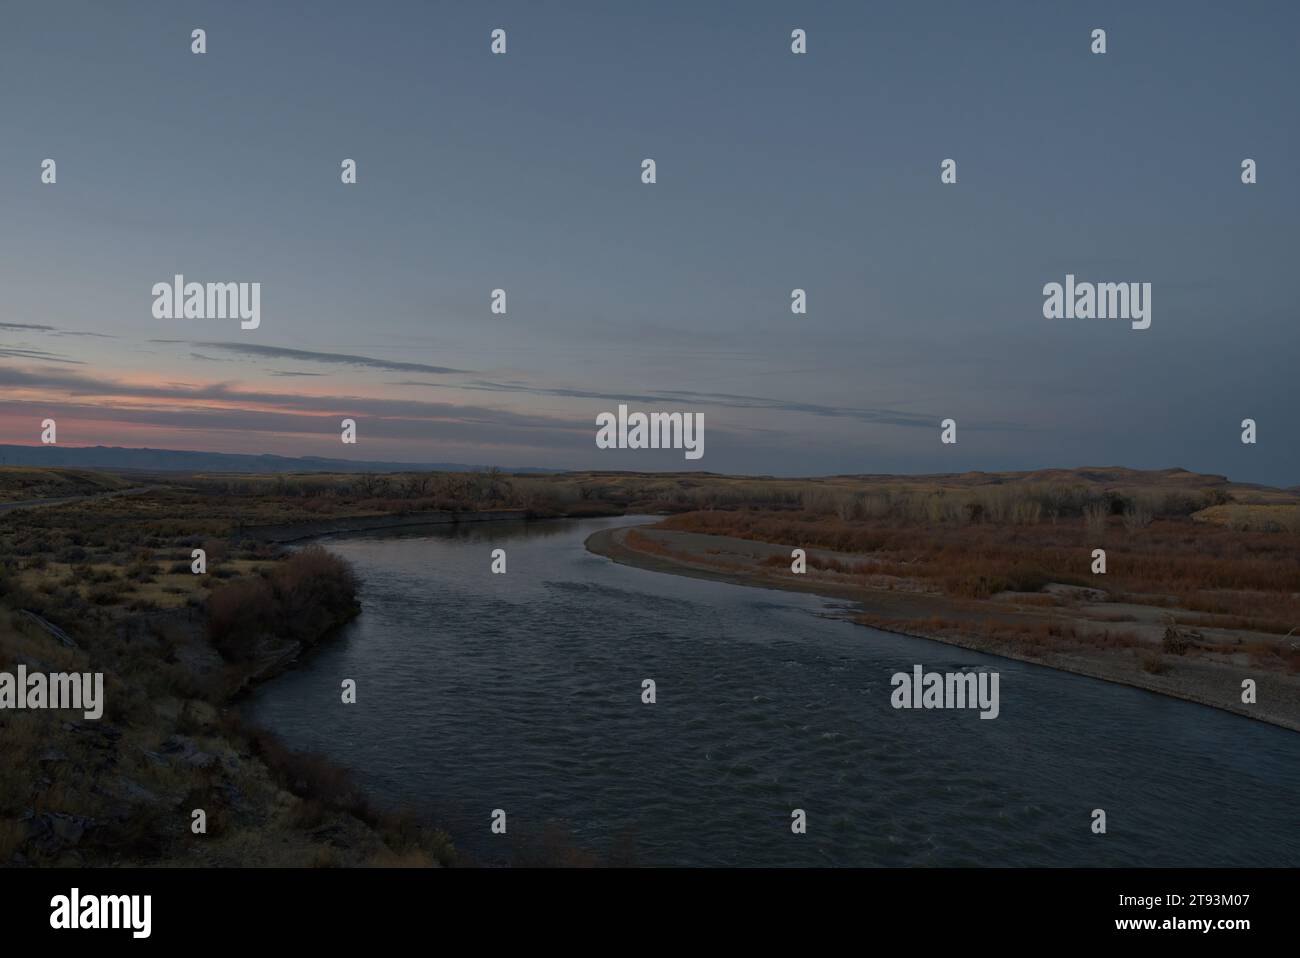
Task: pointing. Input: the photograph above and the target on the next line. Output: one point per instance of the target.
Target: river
(523, 692)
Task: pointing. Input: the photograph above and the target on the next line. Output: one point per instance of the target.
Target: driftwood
(1177, 641)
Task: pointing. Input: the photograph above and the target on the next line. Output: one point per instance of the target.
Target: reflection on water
(523, 692)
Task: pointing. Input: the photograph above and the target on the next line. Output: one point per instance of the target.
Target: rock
(177, 745)
(231, 795)
(51, 628)
(331, 834)
(1079, 592)
(107, 734)
(53, 832)
(198, 759)
(69, 828)
(184, 750)
(134, 792)
(200, 712)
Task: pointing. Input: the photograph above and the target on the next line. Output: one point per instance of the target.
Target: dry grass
(1200, 566)
(115, 575)
(26, 482)
(1022, 635)
(1254, 518)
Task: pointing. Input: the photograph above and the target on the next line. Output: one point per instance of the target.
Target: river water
(522, 692)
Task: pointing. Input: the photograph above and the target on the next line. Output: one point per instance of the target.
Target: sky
(775, 171)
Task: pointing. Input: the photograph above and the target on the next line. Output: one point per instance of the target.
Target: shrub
(1173, 642)
(315, 589)
(1154, 663)
(141, 571)
(1095, 515)
(238, 614)
(300, 599)
(308, 775)
(1138, 515)
(1026, 578)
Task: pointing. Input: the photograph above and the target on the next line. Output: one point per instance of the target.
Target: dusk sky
(775, 171)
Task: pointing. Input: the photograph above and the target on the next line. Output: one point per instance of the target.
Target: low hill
(179, 460)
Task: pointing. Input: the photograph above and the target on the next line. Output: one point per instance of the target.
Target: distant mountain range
(176, 460)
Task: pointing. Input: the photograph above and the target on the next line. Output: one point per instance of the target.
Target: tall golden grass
(1207, 568)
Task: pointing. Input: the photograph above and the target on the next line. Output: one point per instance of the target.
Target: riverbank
(186, 594)
(319, 528)
(1083, 634)
(170, 774)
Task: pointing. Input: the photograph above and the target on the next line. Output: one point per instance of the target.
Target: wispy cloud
(19, 353)
(311, 356)
(52, 330)
(28, 326)
(882, 415)
(115, 397)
